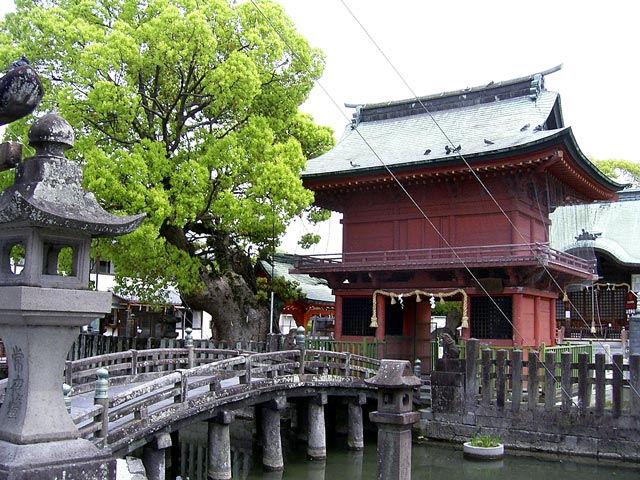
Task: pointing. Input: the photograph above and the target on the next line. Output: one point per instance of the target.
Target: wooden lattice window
(608, 305)
(491, 318)
(356, 317)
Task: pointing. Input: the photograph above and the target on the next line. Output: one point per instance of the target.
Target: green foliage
(17, 254)
(185, 110)
(309, 239)
(65, 261)
(286, 291)
(446, 307)
(623, 171)
(316, 214)
(485, 441)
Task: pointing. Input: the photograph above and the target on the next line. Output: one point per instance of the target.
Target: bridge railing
(112, 420)
(81, 374)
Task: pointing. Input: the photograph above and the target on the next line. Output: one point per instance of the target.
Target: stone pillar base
(76, 459)
(272, 459)
(317, 441)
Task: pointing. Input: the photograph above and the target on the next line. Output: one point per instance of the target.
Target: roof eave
(564, 137)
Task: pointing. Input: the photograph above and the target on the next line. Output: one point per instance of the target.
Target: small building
(447, 198)
(132, 317)
(315, 312)
(607, 233)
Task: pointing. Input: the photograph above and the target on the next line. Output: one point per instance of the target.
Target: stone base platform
(69, 460)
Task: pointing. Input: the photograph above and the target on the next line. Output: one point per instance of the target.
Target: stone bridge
(126, 400)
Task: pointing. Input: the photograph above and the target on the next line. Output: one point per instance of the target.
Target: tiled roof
(615, 225)
(316, 289)
(485, 128)
(167, 297)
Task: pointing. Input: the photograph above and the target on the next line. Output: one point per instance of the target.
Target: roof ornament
(355, 118)
(584, 235)
(537, 85)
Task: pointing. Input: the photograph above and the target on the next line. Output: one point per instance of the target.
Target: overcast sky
(438, 46)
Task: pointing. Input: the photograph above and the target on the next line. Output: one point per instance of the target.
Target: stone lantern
(395, 382)
(44, 216)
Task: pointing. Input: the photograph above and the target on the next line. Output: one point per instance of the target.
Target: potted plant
(483, 447)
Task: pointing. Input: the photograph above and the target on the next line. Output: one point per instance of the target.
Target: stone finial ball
(51, 130)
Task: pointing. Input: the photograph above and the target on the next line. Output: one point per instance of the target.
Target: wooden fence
(561, 381)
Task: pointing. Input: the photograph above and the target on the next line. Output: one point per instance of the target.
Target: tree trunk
(229, 298)
(235, 314)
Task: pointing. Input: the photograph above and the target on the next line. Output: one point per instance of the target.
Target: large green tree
(186, 110)
(623, 171)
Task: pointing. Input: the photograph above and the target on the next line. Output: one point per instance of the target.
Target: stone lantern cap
(20, 92)
(394, 374)
(48, 189)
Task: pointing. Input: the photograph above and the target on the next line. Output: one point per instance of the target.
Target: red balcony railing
(529, 254)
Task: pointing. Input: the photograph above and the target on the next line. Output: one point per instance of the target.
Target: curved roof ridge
(530, 85)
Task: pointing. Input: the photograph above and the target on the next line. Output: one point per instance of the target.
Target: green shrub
(485, 441)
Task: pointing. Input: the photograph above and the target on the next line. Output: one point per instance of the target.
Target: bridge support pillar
(317, 441)
(154, 457)
(271, 440)
(219, 466)
(355, 431)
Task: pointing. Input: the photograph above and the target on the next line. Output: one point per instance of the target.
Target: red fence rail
(513, 254)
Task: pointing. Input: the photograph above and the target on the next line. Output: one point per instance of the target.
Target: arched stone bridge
(154, 392)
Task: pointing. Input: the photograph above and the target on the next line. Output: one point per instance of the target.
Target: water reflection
(431, 461)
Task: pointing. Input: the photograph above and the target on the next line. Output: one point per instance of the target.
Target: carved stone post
(219, 466)
(101, 397)
(394, 417)
(188, 344)
(44, 214)
(300, 339)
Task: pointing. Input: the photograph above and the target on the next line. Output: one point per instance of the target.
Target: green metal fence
(366, 348)
(575, 349)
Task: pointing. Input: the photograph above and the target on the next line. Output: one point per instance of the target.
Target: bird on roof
(457, 149)
(488, 142)
(490, 83)
(18, 63)
(525, 127)
(354, 165)
(427, 151)
(447, 149)
(538, 128)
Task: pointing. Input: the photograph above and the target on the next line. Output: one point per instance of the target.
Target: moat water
(431, 460)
